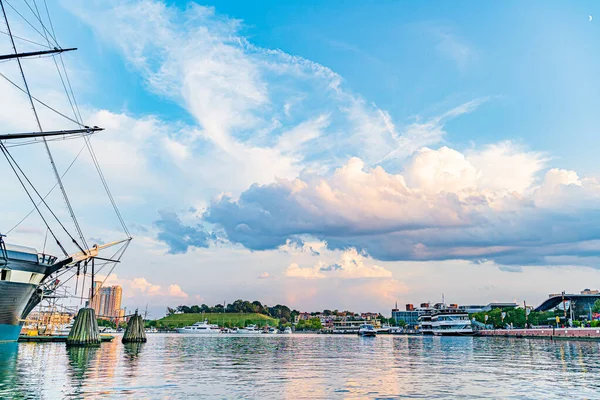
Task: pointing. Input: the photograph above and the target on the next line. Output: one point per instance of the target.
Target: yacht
(287, 331)
(367, 330)
(272, 331)
(200, 328)
(451, 322)
(250, 329)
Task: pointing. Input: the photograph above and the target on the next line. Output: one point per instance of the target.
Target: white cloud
(440, 207)
(139, 286)
(351, 265)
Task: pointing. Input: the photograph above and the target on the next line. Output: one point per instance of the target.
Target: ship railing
(46, 259)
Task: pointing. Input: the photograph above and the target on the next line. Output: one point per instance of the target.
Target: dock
(546, 333)
(56, 338)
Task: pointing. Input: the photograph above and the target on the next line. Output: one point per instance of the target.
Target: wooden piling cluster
(135, 333)
(85, 329)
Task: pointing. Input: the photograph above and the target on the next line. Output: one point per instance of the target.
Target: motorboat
(250, 329)
(272, 331)
(367, 330)
(288, 331)
(200, 328)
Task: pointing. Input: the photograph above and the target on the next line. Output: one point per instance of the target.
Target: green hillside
(222, 319)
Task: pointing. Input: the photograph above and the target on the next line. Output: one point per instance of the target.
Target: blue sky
(536, 60)
(302, 146)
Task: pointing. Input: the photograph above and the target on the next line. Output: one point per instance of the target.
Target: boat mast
(54, 169)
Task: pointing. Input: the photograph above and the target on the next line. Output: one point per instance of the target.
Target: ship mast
(85, 253)
(18, 57)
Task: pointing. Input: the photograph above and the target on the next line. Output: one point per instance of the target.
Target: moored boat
(367, 330)
(249, 330)
(200, 328)
(451, 322)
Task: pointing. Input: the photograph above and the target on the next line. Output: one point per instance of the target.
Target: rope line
(54, 169)
(7, 155)
(47, 194)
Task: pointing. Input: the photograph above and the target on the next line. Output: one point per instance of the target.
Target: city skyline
(327, 155)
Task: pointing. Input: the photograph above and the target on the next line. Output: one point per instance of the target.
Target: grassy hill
(227, 319)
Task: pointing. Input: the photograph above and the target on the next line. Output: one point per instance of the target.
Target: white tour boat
(451, 322)
(201, 328)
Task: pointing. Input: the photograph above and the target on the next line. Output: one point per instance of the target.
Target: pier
(545, 333)
(56, 338)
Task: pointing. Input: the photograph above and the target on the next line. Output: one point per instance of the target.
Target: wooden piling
(135, 333)
(85, 329)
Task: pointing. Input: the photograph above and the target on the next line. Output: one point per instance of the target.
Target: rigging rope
(56, 174)
(20, 15)
(6, 154)
(47, 194)
(40, 196)
(77, 114)
(26, 40)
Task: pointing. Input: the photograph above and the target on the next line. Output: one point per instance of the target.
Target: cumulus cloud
(352, 265)
(442, 206)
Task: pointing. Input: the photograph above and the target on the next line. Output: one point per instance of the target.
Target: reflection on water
(80, 360)
(304, 366)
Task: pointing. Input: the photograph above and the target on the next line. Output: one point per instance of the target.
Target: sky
(322, 154)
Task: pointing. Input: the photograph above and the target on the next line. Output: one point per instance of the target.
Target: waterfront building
(303, 316)
(410, 316)
(368, 316)
(352, 325)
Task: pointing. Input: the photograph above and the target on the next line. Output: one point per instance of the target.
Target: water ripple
(304, 366)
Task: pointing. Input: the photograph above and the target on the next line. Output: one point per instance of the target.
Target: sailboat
(26, 275)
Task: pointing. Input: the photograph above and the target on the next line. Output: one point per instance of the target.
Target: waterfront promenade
(546, 333)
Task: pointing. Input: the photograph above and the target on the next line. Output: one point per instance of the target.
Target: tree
(195, 309)
(596, 307)
(170, 311)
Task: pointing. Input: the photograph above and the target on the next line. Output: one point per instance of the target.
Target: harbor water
(303, 366)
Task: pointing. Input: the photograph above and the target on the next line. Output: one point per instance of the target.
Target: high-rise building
(95, 301)
(107, 301)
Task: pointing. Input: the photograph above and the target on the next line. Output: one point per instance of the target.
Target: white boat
(367, 330)
(273, 331)
(250, 329)
(107, 330)
(63, 330)
(288, 331)
(200, 328)
(451, 322)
